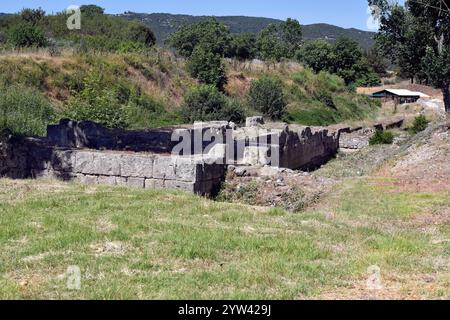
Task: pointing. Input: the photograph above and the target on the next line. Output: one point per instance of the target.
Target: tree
(417, 37)
(91, 9)
(207, 67)
(138, 32)
(243, 46)
(278, 41)
(206, 103)
(27, 35)
(377, 62)
(32, 16)
(210, 33)
(344, 58)
(318, 55)
(266, 96)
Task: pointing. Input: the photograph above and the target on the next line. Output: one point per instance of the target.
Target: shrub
(206, 103)
(266, 96)
(105, 110)
(95, 103)
(382, 137)
(419, 125)
(24, 111)
(27, 35)
(207, 67)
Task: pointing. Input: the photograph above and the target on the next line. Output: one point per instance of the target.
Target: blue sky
(344, 13)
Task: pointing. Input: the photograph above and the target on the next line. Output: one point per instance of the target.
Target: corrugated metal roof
(405, 93)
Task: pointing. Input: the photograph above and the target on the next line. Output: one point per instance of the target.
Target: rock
(254, 121)
(267, 171)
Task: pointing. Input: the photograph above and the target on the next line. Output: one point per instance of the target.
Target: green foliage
(24, 111)
(91, 9)
(139, 33)
(278, 41)
(27, 35)
(323, 99)
(96, 103)
(381, 137)
(206, 103)
(318, 55)
(416, 36)
(419, 125)
(32, 16)
(344, 58)
(266, 96)
(207, 67)
(243, 46)
(210, 34)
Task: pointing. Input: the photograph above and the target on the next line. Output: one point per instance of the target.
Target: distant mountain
(163, 24)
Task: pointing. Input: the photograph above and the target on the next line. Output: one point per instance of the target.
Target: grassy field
(133, 244)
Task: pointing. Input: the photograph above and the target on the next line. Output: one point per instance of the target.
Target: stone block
(63, 160)
(254, 155)
(83, 162)
(136, 166)
(164, 167)
(107, 164)
(107, 180)
(254, 121)
(136, 182)
(121, 181)
(154, 184)
(181, 185)
(87, 179)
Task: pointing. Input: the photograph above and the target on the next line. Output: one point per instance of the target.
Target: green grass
(162, 244)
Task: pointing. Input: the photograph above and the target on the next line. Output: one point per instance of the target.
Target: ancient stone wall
(297, 148)
(33, 158)
(89, 153)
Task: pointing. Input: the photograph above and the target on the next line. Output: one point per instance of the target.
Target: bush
(419, 125)
(24, 111)
(207, 67)
(382, 137)
(27, 35)
(95, 103)
(106, 111)
(206, 103)
(266, 96)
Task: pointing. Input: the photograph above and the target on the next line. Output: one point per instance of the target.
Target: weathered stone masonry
(89, 153)
(55, 157)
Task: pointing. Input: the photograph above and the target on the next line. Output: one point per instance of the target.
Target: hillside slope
(148, 90)
(163, 24)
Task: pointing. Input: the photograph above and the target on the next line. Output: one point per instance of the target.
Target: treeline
(33, 28)
(206, 42)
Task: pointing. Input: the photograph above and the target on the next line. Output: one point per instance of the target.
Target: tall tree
(209, 33)
(281, 40)
(417, 37)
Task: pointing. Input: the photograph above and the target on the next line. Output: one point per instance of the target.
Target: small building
(399, 96)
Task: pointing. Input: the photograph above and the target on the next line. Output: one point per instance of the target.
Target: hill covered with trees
(164, 24)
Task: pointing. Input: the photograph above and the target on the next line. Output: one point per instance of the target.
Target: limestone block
(107, 180)
(136, 182)
(181, 185)
(186, 169)
(154, 184)
(83, 162)
(107, 164)
(121, 181)
(136, 166)
(87, 179)
(164, 167)
(254, 155)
